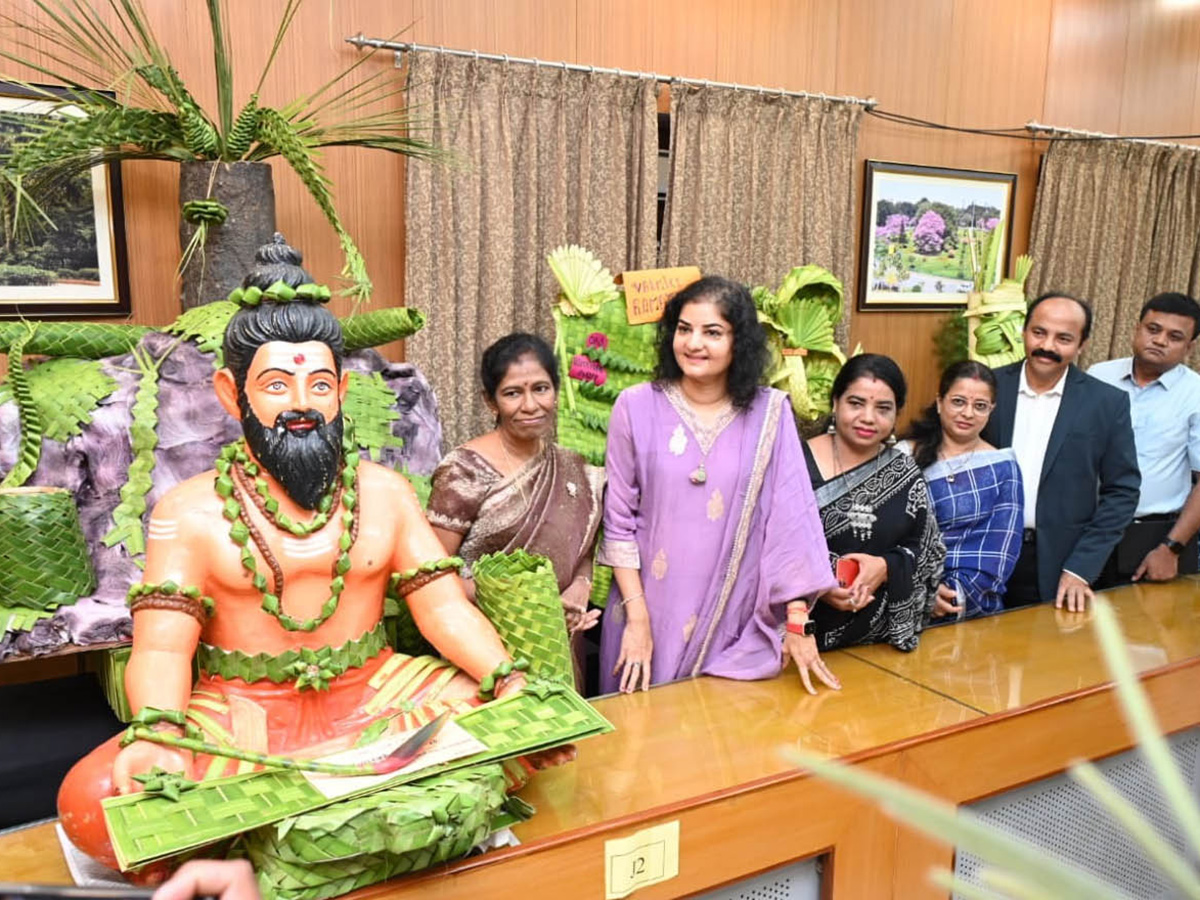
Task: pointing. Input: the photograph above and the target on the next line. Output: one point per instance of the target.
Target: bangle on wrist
(625, 601)
(489, 684)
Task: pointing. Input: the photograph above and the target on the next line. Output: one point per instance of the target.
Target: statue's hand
(142, 756)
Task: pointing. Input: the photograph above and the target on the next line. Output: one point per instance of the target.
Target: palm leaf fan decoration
(583, 280)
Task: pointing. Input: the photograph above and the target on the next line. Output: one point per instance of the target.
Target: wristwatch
(808, 628)
(1173, 545)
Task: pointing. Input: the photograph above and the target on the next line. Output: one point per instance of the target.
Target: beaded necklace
(233, 466)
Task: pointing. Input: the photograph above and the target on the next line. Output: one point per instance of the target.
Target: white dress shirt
(1166, 429)
(1032, 425)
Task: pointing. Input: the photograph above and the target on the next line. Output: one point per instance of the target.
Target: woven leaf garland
(66, 393)
(370, 405)
(30, 449)
(127, 517)
(82, 340)
(206, 326)
(358, 842)
(380, 326)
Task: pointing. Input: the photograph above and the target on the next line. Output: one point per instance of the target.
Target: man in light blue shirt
(1164, 398)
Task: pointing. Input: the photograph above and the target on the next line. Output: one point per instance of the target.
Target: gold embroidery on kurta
(659, 568)
(716, 505)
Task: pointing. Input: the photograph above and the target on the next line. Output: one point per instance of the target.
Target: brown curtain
(543, 156)
(1115, 223)
(761, 183)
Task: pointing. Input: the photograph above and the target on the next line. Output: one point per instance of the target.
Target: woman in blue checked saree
(976, 493)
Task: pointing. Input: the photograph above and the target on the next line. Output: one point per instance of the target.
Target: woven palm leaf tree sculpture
(110, 45)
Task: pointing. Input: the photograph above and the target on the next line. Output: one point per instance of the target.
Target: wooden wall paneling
(1086, 64)
(1162, 54)
(542, 29)
(778, 44)
(616, 33)
(684, 37)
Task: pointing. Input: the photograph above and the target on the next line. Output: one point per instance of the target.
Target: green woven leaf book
(148, 828)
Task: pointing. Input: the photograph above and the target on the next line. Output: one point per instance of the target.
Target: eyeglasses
(960, 405)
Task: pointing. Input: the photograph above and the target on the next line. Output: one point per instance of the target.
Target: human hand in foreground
(945, 603)
(554, 756)
(803, 650)
(845, 599)
(1073, 593)
(1160, 564)
(637, 649)
(141, 757)
(872, 573)
(228, 879)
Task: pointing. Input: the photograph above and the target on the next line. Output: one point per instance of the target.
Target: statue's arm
(447, 619)
(159, 673)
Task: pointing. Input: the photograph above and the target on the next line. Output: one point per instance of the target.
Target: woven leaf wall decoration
(66, 393)
(370, 405)
(206, 326)
(127, 517)
(30, 449)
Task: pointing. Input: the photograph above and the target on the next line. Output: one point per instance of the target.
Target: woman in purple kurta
(710, 520)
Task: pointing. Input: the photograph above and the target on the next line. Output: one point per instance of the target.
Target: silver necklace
(966, 458)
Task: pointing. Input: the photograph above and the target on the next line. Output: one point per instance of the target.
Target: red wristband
(796, 627)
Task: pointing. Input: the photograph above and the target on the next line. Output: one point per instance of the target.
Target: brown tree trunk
(246, 190)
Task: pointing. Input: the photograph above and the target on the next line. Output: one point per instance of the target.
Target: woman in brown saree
(513, 487)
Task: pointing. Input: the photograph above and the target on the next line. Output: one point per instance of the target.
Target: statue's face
(291, 415)
(287, 377)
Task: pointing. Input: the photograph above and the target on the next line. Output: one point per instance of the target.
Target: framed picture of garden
(64, 255)
(922, 227)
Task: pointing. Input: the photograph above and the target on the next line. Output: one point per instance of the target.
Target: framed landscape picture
(66, 256)
(914, 252)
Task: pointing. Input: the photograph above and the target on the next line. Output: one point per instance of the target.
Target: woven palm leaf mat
(148, 828)
(394, 831)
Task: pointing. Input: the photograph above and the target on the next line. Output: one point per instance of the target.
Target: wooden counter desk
(979, 708)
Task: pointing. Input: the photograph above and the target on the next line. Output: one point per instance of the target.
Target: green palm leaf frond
(110, 45)
(277, 132)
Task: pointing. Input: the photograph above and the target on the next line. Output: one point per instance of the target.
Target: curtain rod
(1080, 133)
(400, 47)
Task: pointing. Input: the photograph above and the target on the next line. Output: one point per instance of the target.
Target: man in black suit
(1073, 439)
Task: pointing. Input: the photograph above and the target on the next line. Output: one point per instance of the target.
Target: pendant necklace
(960, 469)
(515, 468)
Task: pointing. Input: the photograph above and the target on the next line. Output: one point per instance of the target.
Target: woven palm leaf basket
(44, 559)
(364, 840)
(519, 593)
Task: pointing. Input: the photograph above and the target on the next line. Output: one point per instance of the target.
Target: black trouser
(1142, 536)
(1023, 585)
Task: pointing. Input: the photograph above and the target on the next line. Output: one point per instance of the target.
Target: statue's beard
(304, 462)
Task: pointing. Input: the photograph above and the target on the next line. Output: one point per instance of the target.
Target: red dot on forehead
(298, 359)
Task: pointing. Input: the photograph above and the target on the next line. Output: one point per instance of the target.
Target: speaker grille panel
(1061, 816)
(795, 881)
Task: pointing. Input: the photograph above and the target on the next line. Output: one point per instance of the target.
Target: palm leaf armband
(404, 583)
(169, 595)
